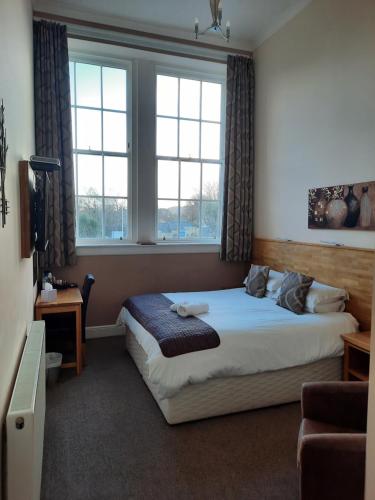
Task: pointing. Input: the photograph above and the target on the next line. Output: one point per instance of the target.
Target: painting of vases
(348, 207)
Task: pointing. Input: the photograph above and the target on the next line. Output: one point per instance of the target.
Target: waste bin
(53, 365)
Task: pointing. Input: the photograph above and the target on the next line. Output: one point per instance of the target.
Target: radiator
(25, 420)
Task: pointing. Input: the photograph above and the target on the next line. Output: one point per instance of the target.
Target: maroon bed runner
(174, 334)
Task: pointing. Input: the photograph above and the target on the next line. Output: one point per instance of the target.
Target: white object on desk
(48, 295)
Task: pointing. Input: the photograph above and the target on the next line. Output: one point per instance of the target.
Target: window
(148, 150)
(100, 148)
(189, 158)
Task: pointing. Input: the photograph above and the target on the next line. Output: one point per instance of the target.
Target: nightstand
(356, 356)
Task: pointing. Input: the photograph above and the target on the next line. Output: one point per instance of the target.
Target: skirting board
(98, 332)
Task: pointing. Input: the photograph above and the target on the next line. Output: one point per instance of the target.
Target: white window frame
(201, 77)
(119, 64)
(142, 200)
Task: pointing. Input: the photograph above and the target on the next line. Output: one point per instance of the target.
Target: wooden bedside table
(356, 356)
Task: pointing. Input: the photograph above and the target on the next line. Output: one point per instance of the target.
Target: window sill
(85, 249)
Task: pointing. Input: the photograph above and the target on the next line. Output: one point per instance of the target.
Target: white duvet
(256, 335)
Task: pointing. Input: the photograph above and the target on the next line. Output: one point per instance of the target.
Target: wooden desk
(68, 301)
(356, 356)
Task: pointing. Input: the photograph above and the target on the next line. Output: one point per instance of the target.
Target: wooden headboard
(343, 267)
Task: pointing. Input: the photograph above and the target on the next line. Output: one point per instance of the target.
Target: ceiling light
(216, 7)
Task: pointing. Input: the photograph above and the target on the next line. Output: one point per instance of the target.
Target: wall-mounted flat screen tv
(41, 212)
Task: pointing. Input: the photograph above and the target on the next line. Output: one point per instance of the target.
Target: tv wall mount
(44, 164)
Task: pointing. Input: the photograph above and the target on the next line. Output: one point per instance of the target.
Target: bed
(265, 354)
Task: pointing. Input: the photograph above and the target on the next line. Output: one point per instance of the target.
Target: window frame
(201, 77)
(142, 199)
(126, 65)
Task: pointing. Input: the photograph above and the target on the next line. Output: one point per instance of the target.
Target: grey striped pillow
(293, 291)
(257, 280)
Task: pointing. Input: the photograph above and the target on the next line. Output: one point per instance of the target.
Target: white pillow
(272, 295)
(338, 306)
(274, 280)
(323, 294)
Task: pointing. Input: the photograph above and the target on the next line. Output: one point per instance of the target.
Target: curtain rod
(145, 34)
(118, 43)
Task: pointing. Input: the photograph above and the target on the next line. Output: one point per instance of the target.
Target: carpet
(106, 439)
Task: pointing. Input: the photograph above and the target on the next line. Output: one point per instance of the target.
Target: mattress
(255, 336)
(224, 395)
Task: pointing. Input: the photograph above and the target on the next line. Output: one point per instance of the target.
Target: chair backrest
(86, 289)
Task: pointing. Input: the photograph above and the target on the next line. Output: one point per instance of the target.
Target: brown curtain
(237, 230)
(53, 137)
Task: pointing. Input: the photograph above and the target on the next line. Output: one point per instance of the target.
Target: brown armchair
(332, 441)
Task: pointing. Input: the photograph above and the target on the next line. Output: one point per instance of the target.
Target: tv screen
(41, 213)
(30, 193)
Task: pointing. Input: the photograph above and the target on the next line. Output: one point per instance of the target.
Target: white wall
(16, 88)
(315, 115)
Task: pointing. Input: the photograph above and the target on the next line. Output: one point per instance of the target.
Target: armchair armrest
(332, 466)
(338, 403)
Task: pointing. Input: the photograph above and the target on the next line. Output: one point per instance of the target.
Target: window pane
(211, 101)
(195, 184)
(89, 217)
(114, 88)
(210, 181)
(71, 76)
(115, 218)
(210, 219)
(114, 137)
(166, 137)
(167, 89)
(189, 98)
(88, 85)
(115, 176)
(210, 141)
(189, 139)
(90, 175)
(89, 129)
(167, 179)
(190, 180)
(167, 219)
(101, 181)
(189, 219)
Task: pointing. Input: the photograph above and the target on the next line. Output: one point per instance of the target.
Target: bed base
(224, 395)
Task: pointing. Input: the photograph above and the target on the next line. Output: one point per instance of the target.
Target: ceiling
(252, 21)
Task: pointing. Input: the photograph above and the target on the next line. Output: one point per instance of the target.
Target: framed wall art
(350, 206)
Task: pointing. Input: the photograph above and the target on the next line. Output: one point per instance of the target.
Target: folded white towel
(174, 307)
(185, 310)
